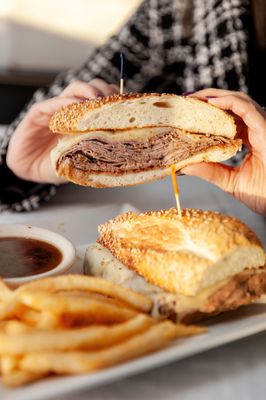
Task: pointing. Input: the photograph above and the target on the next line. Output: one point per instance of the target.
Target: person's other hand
(247, 182)
(28, 154)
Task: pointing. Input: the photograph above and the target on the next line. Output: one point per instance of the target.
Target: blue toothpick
(121, 72)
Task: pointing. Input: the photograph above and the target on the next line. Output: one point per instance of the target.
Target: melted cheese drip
(176, 191)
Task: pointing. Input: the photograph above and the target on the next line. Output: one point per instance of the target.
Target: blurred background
(39, 38)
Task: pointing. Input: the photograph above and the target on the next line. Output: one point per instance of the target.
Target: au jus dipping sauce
(21, 257)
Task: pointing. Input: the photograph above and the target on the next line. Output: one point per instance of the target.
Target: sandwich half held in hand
(135, 138)
(199, 265)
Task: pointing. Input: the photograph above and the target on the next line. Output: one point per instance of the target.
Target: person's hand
(28, 154)
(247, 182)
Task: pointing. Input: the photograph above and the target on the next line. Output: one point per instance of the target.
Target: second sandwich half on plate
(135, 138)
(192, 267)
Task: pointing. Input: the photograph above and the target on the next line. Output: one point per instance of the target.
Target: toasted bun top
(182, 255)
(136, 110)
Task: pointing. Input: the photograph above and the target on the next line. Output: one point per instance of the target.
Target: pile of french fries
(75, 324)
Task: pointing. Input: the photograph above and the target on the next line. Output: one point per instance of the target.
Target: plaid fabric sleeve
(169, 46)
(135, 39)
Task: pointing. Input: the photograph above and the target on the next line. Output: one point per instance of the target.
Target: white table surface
(234, 371)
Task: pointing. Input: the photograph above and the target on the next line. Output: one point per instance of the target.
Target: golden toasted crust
(66, 119)
(182, 255)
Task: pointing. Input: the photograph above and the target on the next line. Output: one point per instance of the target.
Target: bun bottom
(237, 291)
(68, 170)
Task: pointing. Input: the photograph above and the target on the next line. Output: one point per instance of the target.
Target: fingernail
(211, 97)
(187, 93)
(99, 95)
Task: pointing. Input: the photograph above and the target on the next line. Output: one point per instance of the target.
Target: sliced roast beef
(98, 155)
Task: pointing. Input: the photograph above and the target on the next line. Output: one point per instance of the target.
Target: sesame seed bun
(136, 110)
(198, 266)
(124, 140)
(182, 255)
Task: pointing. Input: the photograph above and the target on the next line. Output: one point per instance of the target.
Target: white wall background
(56, 34)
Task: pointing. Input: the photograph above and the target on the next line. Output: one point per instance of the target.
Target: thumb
(221, 175)
(40, 113)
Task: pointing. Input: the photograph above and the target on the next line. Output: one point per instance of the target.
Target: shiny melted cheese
(112, 136)
(100, 262)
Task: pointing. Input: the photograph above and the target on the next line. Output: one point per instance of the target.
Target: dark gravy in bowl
(21, 257)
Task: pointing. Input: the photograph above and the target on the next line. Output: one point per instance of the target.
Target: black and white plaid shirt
(170, 46)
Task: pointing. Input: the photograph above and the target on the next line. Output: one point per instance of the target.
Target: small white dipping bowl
(33, 232)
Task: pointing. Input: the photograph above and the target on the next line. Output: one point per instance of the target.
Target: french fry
(7, 309)
(26, 314)
(90, 284)
(9, 364)
(5, 292)
(2, 324)
(75, 324)
(14, 327)
(77, 362)
(19, 378)
(189, 330)
(97, 310)
(48, 320)
(93, 337)
(93, 296)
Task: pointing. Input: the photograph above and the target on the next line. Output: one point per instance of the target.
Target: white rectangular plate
(79, 224)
